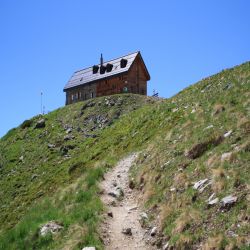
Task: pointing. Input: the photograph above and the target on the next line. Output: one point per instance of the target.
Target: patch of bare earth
(121, 228)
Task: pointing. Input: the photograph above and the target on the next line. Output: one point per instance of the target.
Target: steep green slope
(46, 162)
(51, 173)
(203, 134)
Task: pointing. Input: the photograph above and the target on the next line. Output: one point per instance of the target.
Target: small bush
(26, 124)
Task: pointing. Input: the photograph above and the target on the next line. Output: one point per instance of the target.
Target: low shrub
(26, 124)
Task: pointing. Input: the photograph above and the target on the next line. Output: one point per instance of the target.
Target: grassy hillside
(51, 173)
(203, 134)
(53, 170)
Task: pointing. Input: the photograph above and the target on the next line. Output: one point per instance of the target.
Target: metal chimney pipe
(101, 60)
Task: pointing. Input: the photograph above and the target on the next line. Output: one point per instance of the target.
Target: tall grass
(85, 208)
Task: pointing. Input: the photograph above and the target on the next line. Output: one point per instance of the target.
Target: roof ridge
(109, 60)
(86, 75)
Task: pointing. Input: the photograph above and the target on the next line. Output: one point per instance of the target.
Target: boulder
(127, 231)
(118, 193)
(205, 186)
(89, 248)
(143, 219)
(69, 130)
(199, 184)
(231, 233)
(226, 156)
(113, 194)
(110, 214)
(33, 177)
(112, 103)
(64, 150)
(144, 216)
(51, 146)
(166, 246)
(133, 208)
(40, 123)
(90, 135)
(211, 197)
(213, 202)
(68, 137)
(208, 127)
(229, 85)
(153, 231)
(228, 201)
(91, 104)
(50, 227)
(227, 134)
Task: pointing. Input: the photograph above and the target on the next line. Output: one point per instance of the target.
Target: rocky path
(121, 229)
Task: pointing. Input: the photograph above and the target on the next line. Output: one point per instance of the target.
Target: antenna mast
(41, 102)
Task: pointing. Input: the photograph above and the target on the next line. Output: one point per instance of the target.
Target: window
(120, 77)
(125, 90)
(91, 95)
(106, 81)
(74, 97)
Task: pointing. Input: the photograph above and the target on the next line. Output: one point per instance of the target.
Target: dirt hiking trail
(121, 229)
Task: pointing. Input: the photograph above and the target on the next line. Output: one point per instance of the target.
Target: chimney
(101, 60)
(109, 67)
(123, 63)
(95, 69)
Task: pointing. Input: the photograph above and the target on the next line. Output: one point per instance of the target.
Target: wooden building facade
(127, 74)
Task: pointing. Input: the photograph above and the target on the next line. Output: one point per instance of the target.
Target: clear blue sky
(44, 42)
